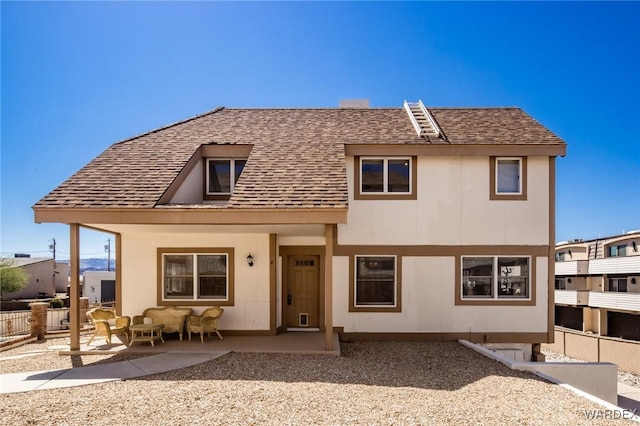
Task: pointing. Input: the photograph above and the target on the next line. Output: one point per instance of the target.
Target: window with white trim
(385, 175)
(222, 175)
(195, 276)
(375, 281)
(508, 176)
(495, 277)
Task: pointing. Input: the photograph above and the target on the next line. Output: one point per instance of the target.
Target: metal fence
(15, 323)
(18, 323)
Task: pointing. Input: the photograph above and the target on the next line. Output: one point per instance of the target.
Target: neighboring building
(377, 223)
(598, 285)
(46, 278)
(99, 286)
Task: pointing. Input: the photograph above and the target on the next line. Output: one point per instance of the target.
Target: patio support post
(328, 288)
(118, 274)
(74, 311)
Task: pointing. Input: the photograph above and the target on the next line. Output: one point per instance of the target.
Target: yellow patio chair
(107, 323)
(205, 323)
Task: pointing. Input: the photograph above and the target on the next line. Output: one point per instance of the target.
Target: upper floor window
(495, 277)
(508, 178)
(508, 172)
(222, 175)
(385, 178)
(617, 251)
(385, 175)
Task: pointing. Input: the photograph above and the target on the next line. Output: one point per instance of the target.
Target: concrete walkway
(24, 382)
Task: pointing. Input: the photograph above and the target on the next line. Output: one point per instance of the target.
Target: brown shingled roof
(297, 160)
(492, 126)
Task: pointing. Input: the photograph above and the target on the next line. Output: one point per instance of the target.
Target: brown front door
(302, 299)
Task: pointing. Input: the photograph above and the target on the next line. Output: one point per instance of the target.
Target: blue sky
(79, 76)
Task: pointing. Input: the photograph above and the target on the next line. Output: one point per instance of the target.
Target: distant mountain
(94, 264)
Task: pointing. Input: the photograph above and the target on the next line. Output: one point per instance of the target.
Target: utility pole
(52, 247)
(107, 248)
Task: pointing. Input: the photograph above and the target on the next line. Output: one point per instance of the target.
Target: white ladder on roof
(422, 120)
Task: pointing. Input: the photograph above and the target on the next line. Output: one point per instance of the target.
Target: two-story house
(401, 223)
(598, 285)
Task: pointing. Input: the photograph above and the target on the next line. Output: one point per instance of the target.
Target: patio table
(146, 333)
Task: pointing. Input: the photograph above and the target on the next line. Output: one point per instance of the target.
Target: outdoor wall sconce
(250, 260)
(633, 280)
(635, 246)
(93, 289)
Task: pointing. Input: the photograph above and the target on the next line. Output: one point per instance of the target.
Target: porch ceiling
(314, 230)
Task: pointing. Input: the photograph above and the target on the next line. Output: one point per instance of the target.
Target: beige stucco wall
(577, 283)
(92, 284)
(300, 241)
(453, 208)
(428, 303)
(595, 283)
(192, 188)
(594, 314)
(139, 274)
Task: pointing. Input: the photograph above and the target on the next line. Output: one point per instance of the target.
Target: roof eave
(501, 149)
(191, 216)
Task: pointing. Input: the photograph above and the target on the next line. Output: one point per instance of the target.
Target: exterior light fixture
(633, 280)
(250, 260)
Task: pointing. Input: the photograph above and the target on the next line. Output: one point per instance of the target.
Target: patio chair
(107, 324)
(207, 322)
(172, 317)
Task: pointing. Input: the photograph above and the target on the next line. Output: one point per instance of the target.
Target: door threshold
(302, 329)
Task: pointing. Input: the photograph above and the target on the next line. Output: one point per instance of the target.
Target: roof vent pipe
(354, 103)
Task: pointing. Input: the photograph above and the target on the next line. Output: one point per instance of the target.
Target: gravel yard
(371, 383)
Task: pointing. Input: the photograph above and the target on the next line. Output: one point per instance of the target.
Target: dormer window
(222, 175)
